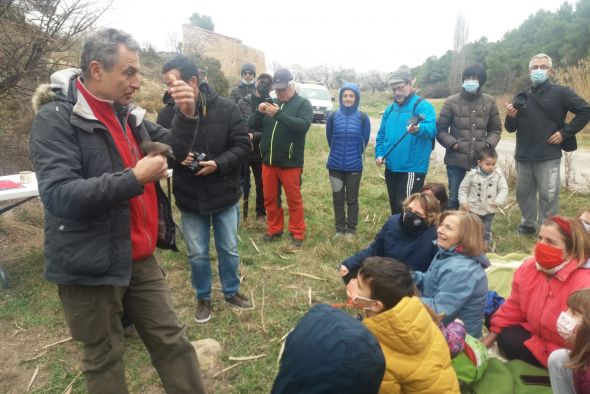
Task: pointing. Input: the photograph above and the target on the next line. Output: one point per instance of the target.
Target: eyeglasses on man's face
(398, 88)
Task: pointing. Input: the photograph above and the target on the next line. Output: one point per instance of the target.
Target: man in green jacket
(284, 125)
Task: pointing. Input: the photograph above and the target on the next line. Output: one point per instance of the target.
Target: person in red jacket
(101, 211)
(526, 324)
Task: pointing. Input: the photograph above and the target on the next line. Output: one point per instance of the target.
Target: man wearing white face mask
(468, 122)
(537, 115)
(247, 85)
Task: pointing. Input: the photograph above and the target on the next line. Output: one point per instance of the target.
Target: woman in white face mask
(526, 324)
(569, 370)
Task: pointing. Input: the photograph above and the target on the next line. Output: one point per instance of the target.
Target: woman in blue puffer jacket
(347, 131)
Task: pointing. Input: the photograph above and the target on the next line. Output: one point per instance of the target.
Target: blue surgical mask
(538, 76)
(471, 85)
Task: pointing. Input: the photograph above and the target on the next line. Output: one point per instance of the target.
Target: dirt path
(505, 148)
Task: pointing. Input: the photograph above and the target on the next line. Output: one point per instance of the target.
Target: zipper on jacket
(272, 137)
(290, 150)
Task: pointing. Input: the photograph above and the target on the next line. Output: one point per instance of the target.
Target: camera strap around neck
(544, 111)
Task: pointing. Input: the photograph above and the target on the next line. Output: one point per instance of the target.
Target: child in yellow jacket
(416, 354)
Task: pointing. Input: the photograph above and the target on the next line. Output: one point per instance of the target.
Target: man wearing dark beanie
(246, 86)
(330, 352)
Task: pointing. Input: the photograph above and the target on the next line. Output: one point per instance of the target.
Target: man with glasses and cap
(405, 139)
(284, 126)
(246, 86)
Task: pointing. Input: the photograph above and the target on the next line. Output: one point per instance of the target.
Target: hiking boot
(203, 314)
(239, 301)
(526, 230)
(272, 237)
(296, 242)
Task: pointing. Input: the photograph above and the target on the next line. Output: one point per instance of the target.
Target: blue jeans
(197, 234)
(487, 226)
(455, 175)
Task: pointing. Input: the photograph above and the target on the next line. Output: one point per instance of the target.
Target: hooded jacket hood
(62, 87)
(403, 327)
(416, 354)
(357, 92)
(330, 352)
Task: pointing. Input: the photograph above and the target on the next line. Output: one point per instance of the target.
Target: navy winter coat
(414, 250)
(347, 135)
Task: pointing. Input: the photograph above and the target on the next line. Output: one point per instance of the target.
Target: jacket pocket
(83, 247)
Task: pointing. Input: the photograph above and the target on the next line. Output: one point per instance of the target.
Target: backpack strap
(331, 117)
(420, 99)
(364, 120)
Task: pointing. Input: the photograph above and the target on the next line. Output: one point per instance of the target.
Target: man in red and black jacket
(101, 214)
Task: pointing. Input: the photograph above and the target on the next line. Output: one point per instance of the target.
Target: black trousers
(400, 185)
(511, 343)
(345, 189)
(247, 186)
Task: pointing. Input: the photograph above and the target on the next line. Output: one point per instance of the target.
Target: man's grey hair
(541, 56)
(103, 46)
(292, 84)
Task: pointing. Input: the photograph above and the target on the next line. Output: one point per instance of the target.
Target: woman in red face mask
(525, 325)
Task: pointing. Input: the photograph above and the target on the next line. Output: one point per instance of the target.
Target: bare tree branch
(34, 32)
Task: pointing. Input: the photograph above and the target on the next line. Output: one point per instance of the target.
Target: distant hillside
(564, 35)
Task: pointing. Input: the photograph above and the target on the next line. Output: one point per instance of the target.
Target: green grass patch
(271, 274)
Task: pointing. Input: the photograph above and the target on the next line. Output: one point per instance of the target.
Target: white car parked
(320, 99)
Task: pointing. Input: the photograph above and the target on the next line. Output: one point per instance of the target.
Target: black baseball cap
(281, 78)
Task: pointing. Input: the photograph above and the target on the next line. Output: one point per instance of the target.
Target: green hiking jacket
(283, 136)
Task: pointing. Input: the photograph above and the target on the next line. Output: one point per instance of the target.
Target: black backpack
(166, 225)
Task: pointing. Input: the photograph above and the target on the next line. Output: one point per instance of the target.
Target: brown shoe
(203, 313)
(239, 301)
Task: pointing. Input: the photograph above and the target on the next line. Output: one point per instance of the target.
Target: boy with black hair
(417, 357)
(484, 189)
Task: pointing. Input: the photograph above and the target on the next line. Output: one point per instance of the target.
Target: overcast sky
(363, 35)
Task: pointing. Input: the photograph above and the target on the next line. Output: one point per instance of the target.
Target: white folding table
(23, 194)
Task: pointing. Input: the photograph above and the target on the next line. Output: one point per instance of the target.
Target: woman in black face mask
(407, 237)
